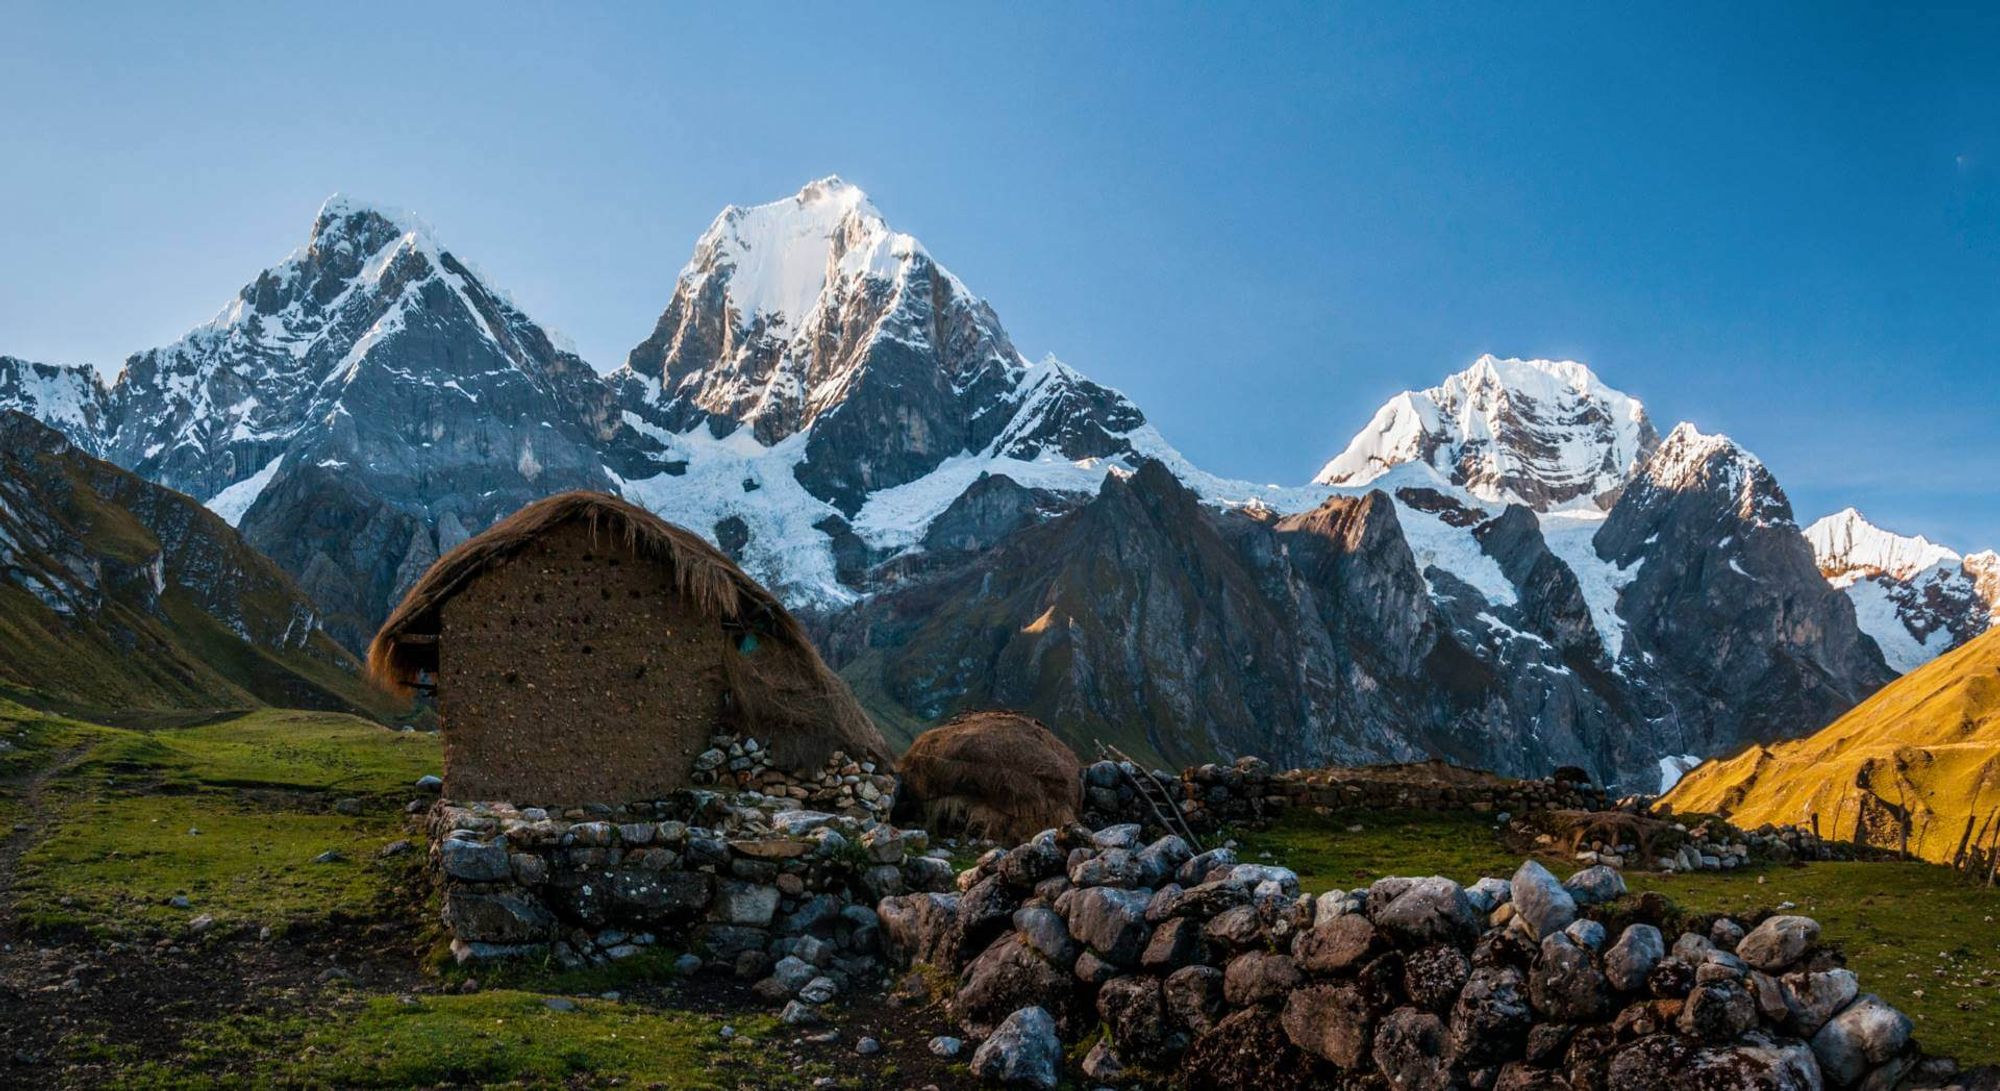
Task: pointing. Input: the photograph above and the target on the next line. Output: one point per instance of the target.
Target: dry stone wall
(750, 878)
(1250, 792)
(1204, 971)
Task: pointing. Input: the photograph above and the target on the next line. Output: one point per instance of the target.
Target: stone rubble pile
(1208, 972)
(765, 886)
(843, 785)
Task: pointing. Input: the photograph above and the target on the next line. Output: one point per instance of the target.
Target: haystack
(584, 650)
(1001, 776)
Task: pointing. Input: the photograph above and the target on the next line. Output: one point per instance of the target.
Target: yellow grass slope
(1917, 759)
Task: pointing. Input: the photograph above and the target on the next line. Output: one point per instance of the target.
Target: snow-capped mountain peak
(70, 397)
(776, 259)
(1850, 547)
(1546, 433)
(1690, 460)
(1915, 597)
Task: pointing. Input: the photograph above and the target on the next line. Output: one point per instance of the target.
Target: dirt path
(28, 828)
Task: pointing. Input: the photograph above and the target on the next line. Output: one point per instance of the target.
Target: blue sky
(1780, 222)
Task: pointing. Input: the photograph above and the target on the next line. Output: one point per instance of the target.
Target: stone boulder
(1778, 942)
(1005, 978)
(1111, 922)
(1541, 903)
(1023, 1051)
(1867, 1034)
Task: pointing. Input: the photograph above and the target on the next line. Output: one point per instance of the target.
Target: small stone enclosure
(584, 651)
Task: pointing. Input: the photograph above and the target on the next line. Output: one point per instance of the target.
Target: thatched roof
(1001, 775)
(785, 694)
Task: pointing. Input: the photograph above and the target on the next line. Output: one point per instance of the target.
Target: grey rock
(1410, 1050)
(1812, 998)
(920, 928)
(1540, 902)
(1022, 1052)
(1005, 977)
(1430, 910)
(1778, 942)
(1112, 922)
(819, 990)
(1110, 867)
(740, 903)
(1718, 1011)
(1565, 984)
(1489, 894)
(1491, 1017)
(1867, 1033)
(1125, 836)
(1639, 948)
(475, 861)
(497, 918)
(1587, 934)
(1193, 995)
(1134, 1009)
(1047, 934)
(1594, 885)
(1199, 867)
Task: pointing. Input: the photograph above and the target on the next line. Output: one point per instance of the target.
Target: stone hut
(584, 651)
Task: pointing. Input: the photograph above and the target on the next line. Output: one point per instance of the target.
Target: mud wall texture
(574, 672)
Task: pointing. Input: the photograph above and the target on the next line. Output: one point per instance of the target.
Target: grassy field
(1917, 937)
(232, 816)
(229, 816)
(120, 804)
(499, 1037)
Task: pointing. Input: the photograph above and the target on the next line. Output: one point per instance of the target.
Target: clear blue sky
(1779, 222)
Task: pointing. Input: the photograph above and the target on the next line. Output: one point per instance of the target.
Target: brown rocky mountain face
(1750, 641)
(116, 593)
(1150, 621)
(1146, 619)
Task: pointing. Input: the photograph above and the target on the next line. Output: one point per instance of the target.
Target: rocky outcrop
(1225, 975)
(1729, 602)
(1178, 631)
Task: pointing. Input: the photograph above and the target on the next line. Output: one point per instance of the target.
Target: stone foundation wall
(842, 786)
(1206, 972)
(744, 876)
(1250, 792)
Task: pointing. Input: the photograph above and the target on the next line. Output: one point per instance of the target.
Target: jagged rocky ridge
(840, 413)
(116, 592)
